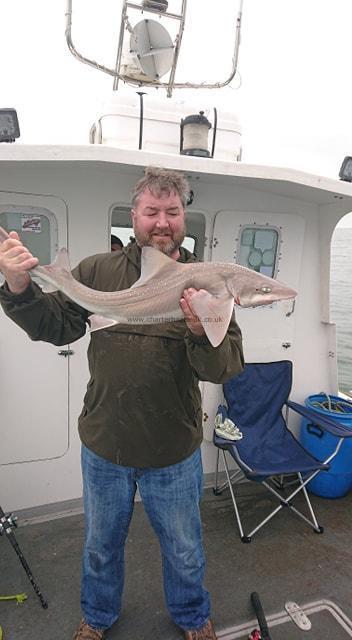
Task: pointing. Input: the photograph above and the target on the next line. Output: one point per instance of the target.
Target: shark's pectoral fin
(100, 322)
(47, 288)
(214, 314)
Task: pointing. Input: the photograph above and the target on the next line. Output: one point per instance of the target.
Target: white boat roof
(279, 180)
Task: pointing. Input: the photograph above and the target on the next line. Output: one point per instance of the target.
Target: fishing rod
(7, 523)
(259, 612)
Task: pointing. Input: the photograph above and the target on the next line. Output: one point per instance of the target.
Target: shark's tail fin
(3, 235)
(61, 262)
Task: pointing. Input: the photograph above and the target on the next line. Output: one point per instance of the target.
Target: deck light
(345, 172)
(9, 128)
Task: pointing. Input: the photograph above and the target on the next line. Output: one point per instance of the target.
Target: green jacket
(142, 407)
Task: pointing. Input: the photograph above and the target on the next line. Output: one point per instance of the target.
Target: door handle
(65, 352)
(292, 310)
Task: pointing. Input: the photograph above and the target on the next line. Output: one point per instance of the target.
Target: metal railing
(170, 84)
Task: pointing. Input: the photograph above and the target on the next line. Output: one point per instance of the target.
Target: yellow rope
(20, 597)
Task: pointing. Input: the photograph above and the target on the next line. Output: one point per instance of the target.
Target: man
(141, 423)
(116, 243)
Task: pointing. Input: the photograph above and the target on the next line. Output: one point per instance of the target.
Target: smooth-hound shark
(155, 297)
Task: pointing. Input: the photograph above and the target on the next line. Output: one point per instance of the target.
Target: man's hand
(192, 320)
(15, 262)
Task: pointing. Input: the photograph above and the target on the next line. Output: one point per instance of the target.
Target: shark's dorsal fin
(214, 314)
(156, 265)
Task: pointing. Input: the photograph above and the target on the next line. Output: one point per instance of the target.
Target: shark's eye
(264, 289)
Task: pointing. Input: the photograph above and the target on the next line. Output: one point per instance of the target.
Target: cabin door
(270, 244)
(33, 376)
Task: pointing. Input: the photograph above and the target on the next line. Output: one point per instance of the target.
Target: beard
(167, 244)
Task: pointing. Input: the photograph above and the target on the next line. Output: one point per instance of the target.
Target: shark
(155, 297)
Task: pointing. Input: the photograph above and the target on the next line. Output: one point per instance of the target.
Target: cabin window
(121, 226)
(36, 230)
(258, 249)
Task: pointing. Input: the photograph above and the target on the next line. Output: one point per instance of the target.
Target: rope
(19, 597)
(340, 406)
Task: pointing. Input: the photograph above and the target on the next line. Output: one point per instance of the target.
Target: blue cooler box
(336, 482)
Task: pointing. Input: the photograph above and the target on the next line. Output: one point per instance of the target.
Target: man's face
(159, 222)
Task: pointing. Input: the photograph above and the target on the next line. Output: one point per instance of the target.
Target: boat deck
(286, 561)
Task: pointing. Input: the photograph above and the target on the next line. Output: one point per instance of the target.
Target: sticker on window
(31, 223)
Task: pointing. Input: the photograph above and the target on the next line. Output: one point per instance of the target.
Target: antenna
(151, 43)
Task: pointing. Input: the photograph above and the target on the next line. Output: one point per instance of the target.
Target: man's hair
(160, 181)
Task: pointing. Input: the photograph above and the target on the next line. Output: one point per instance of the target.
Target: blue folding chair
(268, 453)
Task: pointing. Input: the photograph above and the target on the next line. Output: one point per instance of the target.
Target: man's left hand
(192, 320)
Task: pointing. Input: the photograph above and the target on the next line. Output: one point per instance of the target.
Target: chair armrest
(327, 424)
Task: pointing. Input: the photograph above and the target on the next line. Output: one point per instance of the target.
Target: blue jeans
(171, 497)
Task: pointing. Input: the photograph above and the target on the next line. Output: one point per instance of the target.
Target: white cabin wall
(317, 355)
(47, 481)
(90, 190)
(89, 193)
(310, 338)
(314, 368)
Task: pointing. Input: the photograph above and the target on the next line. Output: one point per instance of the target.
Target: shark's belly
(148, 307)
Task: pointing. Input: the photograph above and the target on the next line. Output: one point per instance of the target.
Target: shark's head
(258, 290)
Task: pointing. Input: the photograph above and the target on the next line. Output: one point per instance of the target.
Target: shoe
(227, 429)
(86, 632)
(205, 633)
